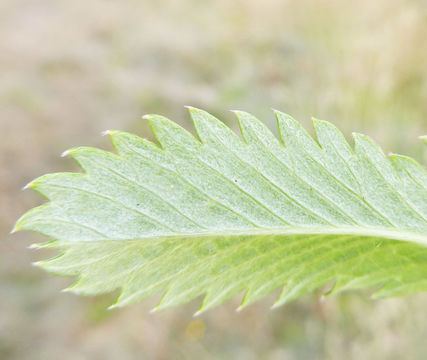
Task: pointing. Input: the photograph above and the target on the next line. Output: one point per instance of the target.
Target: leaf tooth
(124, 142)
(168, 301)
(283, 121)
(81, 155)
(333, 287)
(79, 288)
(170, 135)
(288, 294)
(366, 143)
(257, 291)
(253, 131)
(44, 184)
(177, 294)
(59, 265)
(114, 306)
(107, 132)
(30, 218)
(18, 225)
(43, 245)
(219, 292)
(402, 207)
(400, 286)
(65, 153)
(412, 167)
(115, 137)
(330, 138)
(205, 306)
(120, 301)
(250, 296)
(210, 130)
(387, 289)
(338, 154)
(50, 220)
(249, 125)
(128, 296)
(367, 147)
(293, 133)
(323, 129)
(78, 151)
(35, 184)
(411, 187)
(401, 158)
(87, 285)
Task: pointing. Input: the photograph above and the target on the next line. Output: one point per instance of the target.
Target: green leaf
(219, 215)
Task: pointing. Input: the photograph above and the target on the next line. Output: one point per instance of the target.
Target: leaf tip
(244, 119)
(201, 309)
(286, 122)
(281, 114)
(360, 139)
(65, 153)
(319, 122)
(154, 310)
(358, 136)
(28, 186)
(198, 115)
(156, 120)
(198, 313)
(275, 306)
(239, 112)
(17, 226)
(107, 132)
(193, 109)
(364, 141)
(14, 230)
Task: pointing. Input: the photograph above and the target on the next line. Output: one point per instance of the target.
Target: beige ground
(71, 69)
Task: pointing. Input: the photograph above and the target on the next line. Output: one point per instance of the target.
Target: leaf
(222, 215)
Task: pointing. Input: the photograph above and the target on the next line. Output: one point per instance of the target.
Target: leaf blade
(219, 215)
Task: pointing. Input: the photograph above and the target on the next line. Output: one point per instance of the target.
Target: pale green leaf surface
(220, 215)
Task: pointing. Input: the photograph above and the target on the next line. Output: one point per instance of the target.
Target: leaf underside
(221, 214)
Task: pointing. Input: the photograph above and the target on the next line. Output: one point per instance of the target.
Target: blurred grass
(71, 69)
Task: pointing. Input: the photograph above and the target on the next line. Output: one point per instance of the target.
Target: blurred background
(71, 69)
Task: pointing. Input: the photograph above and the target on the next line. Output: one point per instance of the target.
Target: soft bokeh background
(71, 69)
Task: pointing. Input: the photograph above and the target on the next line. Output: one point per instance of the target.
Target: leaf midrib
(384, 233)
